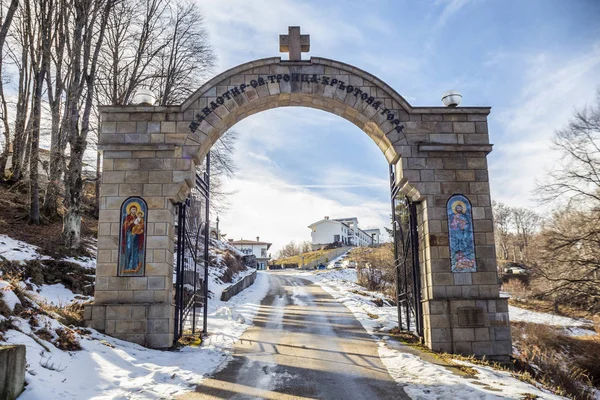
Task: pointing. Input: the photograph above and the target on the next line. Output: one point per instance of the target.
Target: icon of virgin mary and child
(132, 239)
(462, 247)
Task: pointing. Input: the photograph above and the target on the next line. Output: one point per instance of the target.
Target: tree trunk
(3, 32)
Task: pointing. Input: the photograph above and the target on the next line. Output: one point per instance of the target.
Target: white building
(344, 231)
(257, 248)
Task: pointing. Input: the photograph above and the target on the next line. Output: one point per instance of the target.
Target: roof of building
(243, 241)
(324, 220)
(341, 221)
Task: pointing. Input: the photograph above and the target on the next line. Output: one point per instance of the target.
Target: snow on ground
(85, 262)
(424, 380)
(581, 326)
(57, 295)
(341, 285)
(339, 258)
(109, 368)
(8, 296)
(420, 379)
(228, 320)
(16, 250)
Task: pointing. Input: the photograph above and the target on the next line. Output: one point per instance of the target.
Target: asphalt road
(303, 345)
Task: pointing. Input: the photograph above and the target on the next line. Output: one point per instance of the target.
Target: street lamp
(218, 233)
(144, 97)
(451, 98)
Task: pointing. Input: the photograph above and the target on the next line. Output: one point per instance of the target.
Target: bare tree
(526, 223)
(90, 22)
(6, 23)
(56, 76)
(18, 51)
(502, 221)
(289, 250)
(184, 61)
(569, 260)
(38, 28)
(135, 36)
(577, 177)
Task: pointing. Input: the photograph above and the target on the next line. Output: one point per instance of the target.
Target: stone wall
(237, 287)
(12, 371)
(436, 151)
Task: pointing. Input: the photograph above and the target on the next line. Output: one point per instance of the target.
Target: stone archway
(437, 152)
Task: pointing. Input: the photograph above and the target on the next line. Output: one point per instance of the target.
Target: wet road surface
(303, 345)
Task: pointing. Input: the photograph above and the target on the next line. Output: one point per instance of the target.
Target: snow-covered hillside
(105, 367)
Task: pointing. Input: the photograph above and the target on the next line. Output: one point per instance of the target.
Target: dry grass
(568, 364)
(234, 264)
(67, 340)
(47, 272)
(310, 257)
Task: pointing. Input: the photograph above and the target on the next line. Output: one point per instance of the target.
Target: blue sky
(533, 62)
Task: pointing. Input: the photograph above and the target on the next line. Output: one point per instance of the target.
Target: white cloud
(245, 30)
(450, 9)
(556, 86)
(278, 204)
(278, 212)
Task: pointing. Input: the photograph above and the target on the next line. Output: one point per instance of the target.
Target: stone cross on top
(294, 43)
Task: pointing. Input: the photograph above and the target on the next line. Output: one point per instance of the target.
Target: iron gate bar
(206, 241)
(191, 224)
(406, 258)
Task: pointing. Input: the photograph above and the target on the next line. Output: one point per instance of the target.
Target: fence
(237, 287)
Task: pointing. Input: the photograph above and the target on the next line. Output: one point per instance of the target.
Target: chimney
(258, 238)
(327, 217)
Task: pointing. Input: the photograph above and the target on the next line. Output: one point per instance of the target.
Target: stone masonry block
(463, 334)
(159, 341)
(156, 282)
(130, 327)
(137, 283)
(464, 278)
(118, 312)
(126, 127)
(464, 348)
(464, 127)
(501, 332)
(482, 334)
(160, 311)
(143, 296)
(139, 312)
(483, 348)
(158, 325)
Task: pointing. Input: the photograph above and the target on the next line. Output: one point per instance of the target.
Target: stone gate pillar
(463, 312)
(142, 157)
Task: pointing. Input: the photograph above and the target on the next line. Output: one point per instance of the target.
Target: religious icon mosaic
(132, 238)
(460, 232)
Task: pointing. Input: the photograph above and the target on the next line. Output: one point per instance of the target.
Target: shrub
(570, 364)
(67, 340)
(516, 288)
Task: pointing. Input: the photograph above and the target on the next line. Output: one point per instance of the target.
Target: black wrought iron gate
(406, 259)
(191, 256)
